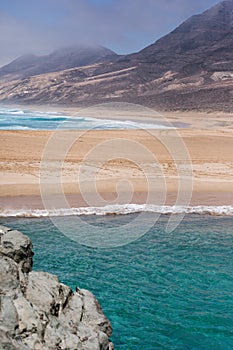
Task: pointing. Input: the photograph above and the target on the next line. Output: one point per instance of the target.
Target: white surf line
(119, 210)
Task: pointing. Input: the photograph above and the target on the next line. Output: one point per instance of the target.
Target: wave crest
(119, 210)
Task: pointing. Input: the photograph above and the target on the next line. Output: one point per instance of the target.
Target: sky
(125, 26)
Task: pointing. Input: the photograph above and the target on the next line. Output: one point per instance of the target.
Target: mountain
(65, 58)
(190, 68)
(198, 42)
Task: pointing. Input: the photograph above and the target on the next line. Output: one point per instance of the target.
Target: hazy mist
(40, 26)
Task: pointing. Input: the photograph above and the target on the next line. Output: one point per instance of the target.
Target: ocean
(164, 290)
(18, 119)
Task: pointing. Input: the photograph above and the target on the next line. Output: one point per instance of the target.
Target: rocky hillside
(203, 42)
(39, 313)
(189, 69)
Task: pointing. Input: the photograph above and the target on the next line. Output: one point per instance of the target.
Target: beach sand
(96, 168)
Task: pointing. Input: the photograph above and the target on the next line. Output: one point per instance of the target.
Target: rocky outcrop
(37, 312)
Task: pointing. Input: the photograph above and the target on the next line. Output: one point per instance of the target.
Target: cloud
(16, 39)
(40, 26)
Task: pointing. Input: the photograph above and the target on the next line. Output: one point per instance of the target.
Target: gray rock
(9, 276)
(7, 343)
(47, 293)
(72, 312)
(18, 247)
(28, 316)
(8, 315)
(4, 229)
(39, 313)
(93, 313)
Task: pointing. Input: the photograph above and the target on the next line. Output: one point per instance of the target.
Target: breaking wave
(16, 127)
(12, 111)
(16, 119)
(119, 210)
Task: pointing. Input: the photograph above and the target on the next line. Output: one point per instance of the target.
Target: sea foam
(119, 210)
(16, 119)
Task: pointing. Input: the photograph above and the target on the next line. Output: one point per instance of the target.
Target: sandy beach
(98, 167)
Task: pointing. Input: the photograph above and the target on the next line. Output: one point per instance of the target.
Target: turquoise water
(17, 119)
(164, 291)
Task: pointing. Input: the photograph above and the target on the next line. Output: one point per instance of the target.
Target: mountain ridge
(61, 59)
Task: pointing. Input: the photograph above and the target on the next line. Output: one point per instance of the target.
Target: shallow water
(16, 119)
(163, 291)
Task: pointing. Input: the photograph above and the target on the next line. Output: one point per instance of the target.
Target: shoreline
(104, 158)
(27, 203)
(75, 205)
(137, 113)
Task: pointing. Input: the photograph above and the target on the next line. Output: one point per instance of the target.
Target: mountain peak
(60, 59)
(193, 37)
(226, 4)
(221, 14)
